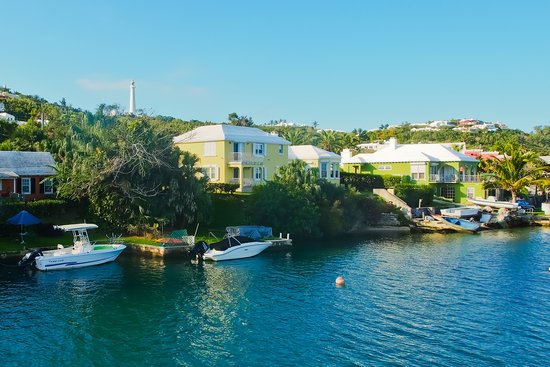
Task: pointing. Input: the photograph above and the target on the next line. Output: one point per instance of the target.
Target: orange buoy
(340, 281)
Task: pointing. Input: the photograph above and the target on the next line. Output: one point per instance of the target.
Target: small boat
(82, 253)
(461, 225)
(230, 248)
(461, 211)
(492, 202)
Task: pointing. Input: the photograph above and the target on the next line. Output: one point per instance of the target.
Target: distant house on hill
(327, 162)
(452, 174)
(234, 154)
(27, 174)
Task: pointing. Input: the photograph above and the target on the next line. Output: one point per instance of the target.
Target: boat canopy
(76, 227)
(230, 242)
(254, 232)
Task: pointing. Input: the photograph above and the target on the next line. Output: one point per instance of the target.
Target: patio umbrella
(23, 218)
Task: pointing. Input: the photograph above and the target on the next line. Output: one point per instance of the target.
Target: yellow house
(328, 163)
(235, 154)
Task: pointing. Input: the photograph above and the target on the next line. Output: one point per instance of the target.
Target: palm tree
(516, 171)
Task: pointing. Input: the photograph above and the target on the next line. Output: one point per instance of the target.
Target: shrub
(411, 194)
(361, 182)
(222, 188)
(392, 181)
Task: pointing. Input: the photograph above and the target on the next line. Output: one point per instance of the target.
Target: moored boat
(493, 203)
(230, 248)
(461, 225)
(82, 253)
(461, 211)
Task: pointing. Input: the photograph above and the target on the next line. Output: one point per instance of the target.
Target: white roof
(27, 163)
(310, 152)
(545, 158)
(238, 134)
(77, 226)
(413, 153)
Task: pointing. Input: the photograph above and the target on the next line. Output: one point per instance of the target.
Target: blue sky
(344, 64)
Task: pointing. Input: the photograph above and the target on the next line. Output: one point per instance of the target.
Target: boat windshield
(80, 237)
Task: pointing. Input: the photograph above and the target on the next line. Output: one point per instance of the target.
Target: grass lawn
(12, 243)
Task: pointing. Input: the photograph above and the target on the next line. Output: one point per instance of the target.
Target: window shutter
(33, 185)
(41, 187)
(19, 185)
(265, 173)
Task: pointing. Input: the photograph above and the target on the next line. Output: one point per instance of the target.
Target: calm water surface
(426, 300)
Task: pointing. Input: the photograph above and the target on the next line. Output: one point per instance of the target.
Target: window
(281, 149)
(335, 170)
(259, 150)
(324, 169)
(211, 172)
(210, 149)
(235, 173)
(470, 192)
(0, 185)
(258, 173)
(418, 171)
(26, 185)
(448, 192)
(384, 168)
(48, 186)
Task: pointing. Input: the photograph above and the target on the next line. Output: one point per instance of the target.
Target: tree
(131, 175)
(237, 120)
(516, 171)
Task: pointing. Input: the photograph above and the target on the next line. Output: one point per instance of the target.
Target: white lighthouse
(132, 109)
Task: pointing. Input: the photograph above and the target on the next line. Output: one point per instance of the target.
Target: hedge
(411, 194)
(367, 182)
(41, 208)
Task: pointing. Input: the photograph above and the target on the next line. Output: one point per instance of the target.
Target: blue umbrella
(23, 218)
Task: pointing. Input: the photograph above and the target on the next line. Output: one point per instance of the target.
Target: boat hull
(461, 225)
(56, 260)
(494, 204)
(461, 212)
(242, 251)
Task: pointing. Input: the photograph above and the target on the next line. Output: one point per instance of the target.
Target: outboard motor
(200, 248)
(29, 258)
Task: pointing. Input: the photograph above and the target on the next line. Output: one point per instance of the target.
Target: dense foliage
(299, 202)
(516, 171)
(412, 194)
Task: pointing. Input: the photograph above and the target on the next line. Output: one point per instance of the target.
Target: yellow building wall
(273, 160)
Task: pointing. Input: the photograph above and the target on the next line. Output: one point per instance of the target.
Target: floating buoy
(340, 281)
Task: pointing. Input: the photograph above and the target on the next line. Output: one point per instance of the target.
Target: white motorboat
(461, 211)
(82, 253)
(230, 248)
(493, 203)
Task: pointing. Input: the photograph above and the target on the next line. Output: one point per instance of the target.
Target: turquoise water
(426, 300)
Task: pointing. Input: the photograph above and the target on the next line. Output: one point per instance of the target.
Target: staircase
(392, 199)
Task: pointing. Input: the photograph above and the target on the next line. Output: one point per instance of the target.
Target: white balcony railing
(469, 178)
(450, 178)
(443, 178)
(245, 158)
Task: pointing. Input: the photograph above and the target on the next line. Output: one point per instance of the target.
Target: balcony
(453, 178)
(240, 158)
(449, 178)
(470, 178)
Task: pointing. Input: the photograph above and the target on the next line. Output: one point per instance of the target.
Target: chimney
(393, 143)
(346, 155)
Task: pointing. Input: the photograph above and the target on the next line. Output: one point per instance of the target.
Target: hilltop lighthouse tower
(132, 109)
